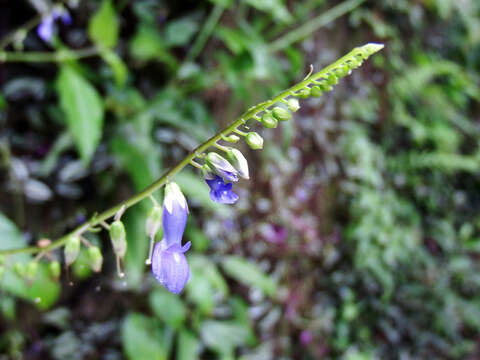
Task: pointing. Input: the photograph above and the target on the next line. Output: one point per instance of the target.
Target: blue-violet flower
(46, 28)
(221, 192)
(222, 166)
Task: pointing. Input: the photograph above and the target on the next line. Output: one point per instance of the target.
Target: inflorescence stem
(249, 114)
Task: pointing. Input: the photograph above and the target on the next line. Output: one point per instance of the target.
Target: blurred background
(358, 235)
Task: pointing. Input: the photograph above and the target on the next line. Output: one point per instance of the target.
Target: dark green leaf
(103, 26)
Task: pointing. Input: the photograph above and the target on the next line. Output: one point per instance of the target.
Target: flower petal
(45, 29)
(170, 267)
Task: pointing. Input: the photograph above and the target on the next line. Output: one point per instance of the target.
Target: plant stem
(311, 26)
(206, 31)
(249, 114)
(42, 56)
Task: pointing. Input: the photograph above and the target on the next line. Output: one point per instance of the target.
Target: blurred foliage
(357, 237)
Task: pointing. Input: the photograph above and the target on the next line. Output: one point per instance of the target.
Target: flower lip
(170, 267)
(221, 192)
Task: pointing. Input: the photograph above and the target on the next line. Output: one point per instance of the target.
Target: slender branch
(356, 53)
(205, 32)
(43, 56)
(311, 26)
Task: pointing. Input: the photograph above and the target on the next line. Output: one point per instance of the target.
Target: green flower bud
(304, 93)
(332, 79)
(254, 140)
(342, 70)
(154, 221)
(326, 87)
(119, 238)
(72, 249)
(20, 269)
(316, 91)
(54, 269)
(269, 121)
(31, 270)
(281, 114)
(95, 258)
(293, 104)
(354, 63)
(231, 138)
(239, 162)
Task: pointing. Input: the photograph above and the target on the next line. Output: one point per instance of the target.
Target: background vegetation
(358, 235)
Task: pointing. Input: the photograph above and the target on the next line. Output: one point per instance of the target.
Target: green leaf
(143, 339)
(103, 26)
(119, 69)
(83, 109)
(42, 291)
(249, 274)
(224, 336)
(188, 346)
(168, 307)
(180, 32)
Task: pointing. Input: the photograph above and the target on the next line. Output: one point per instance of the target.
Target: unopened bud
(54, 269)
(154, 221)
(254, 140)
(316, 91)
(95, 258)
(332, 79)
(269, 121)
(239, 162)
(325, 87)
(20, 269)
(31, 270)
(72, 249)
(304, 93)
(231, 138)
(281, 114)
(119, 238)
(293, 104)
(342, 70)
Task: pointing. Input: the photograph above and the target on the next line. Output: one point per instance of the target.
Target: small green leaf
(83, 109)
(168, 307)
(143, 339)
(180, 32)
(43, 291)
(224, 336)
(249, 274)
(119, 69)
(103, 26)
(188, 346)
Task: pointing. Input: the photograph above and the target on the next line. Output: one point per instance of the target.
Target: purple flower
(46, 28)
(221, 192)
(222, 166)
(170, 267)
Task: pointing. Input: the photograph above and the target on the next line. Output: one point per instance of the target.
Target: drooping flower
(222, 167)
(169, 264)
(170, 267)
(221, 192)
(46, 28)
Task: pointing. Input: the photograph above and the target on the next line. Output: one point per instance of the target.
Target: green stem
(249, 114)
(311, 26)
(41, 56)
(205, 32)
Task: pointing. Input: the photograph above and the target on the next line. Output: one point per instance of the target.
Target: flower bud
(254, 140)
(72, 249)
(221, 166)
(281, 114)
(231, 138)
(207, 172)
(20, 269)
(269, 121)
(31, 270)
(154, 221)
(304, 93)
(342, 70)
(354, 63)
(293, 104)
(54, 269)
(316, 91)
(325, 87)
(118, 238)
(95, 258)
(332, 79)
(239, 162)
